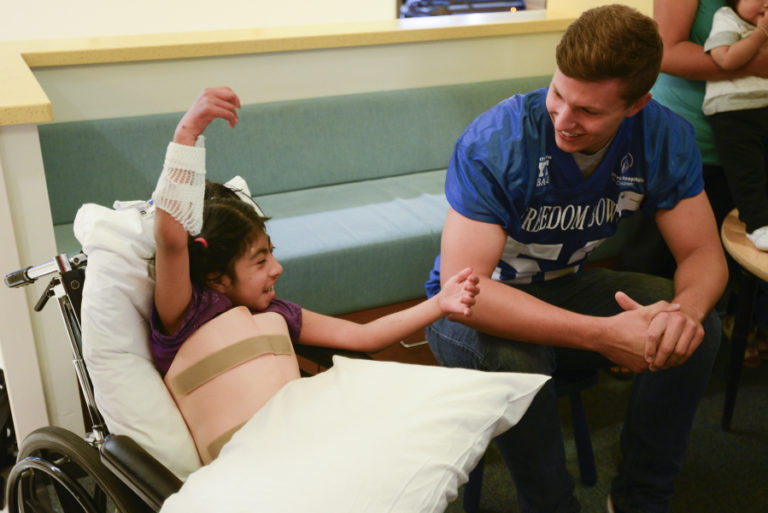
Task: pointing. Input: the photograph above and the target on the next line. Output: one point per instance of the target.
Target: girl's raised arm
(179, 202)
(456, 297)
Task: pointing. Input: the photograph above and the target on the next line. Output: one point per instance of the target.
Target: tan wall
(46, 19)
(577, 6)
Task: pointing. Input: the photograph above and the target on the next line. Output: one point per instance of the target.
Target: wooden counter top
(741, 249)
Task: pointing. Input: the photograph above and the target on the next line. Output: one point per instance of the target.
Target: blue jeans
(661, 406)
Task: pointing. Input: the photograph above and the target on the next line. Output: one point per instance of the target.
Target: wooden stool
(754, 266)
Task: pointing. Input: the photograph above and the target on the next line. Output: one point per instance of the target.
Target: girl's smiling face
(256, 273)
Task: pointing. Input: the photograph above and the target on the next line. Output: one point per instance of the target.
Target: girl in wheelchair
(213, 258)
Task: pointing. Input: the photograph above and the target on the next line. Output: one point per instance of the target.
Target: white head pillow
(117, 301)
(362, 437)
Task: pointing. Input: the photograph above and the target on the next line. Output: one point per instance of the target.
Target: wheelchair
(55, 469)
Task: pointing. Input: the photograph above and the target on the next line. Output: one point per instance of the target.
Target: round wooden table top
(741, 249)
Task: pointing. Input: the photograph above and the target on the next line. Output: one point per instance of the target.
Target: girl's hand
(212, 103)
(458, 293)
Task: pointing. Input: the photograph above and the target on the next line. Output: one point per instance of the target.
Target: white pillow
(117, 299)
(362, 437)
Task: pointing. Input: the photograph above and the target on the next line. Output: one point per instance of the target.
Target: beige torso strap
(226, 371)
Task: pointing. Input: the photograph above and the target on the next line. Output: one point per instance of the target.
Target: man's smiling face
(586, 115)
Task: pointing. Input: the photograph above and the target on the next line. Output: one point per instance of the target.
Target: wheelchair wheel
(57, 471)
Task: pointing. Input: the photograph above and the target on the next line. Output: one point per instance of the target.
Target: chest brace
(226, 371)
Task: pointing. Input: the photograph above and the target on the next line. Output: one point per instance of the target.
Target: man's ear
(219, 282)
(639, 104)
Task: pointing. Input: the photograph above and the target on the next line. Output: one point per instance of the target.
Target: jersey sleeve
(483, 178)
(675, 164)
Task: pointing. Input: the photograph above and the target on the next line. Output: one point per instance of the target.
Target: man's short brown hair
(612, 41)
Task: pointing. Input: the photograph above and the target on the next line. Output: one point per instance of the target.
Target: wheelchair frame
(57, 470)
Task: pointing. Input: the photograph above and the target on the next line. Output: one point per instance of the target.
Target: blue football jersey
(506, 169)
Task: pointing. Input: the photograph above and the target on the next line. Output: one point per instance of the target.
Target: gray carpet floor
(724, 472)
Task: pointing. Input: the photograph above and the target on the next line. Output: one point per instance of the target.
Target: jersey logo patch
(542, 179)
(626, 163)
(624, 178)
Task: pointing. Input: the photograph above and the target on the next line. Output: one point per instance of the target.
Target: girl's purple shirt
(204, 306)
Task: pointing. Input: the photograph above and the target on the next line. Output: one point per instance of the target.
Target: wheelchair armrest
(323, 356)
(139, 470)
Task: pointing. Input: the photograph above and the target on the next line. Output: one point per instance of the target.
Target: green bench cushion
(352, 246)
(374, 247)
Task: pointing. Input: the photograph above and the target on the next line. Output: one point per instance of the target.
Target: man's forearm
(700, 281)
(504, 311)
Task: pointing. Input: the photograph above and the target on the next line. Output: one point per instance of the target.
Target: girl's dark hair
(230, 226)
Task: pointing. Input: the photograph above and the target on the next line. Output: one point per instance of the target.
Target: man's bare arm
(507, 312)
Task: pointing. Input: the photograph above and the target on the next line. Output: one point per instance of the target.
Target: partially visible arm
(691, 234)
(457, 297)
(739, 53)
(507, 312)
(502, 310)
(173, 288)
(686, 59)
(325, 331)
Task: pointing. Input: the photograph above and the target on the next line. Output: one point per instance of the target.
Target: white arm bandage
(181, 186)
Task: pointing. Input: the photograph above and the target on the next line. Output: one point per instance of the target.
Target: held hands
(212, 103)
(458, 293)
(670, 335)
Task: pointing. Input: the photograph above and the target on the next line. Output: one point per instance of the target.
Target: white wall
(52, 19)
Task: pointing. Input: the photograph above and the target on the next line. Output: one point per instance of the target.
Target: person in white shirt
(737, 109)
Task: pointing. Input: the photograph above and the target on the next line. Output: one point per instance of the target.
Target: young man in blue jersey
(534, 185)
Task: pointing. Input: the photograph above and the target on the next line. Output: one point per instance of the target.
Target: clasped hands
(652, 337)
